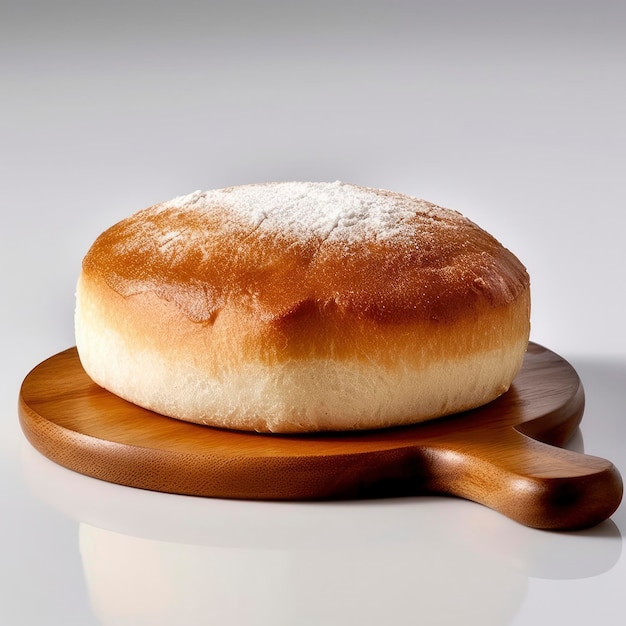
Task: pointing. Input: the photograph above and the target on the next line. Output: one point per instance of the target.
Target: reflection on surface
(152, 558)
(145, 581)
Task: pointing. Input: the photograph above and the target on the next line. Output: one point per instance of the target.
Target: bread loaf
(301, 307)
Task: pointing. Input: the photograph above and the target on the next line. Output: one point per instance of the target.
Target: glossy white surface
(513, 117)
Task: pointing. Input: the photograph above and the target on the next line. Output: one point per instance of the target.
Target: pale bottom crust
(297, 395)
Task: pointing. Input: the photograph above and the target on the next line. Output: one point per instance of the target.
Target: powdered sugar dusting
(323, 211)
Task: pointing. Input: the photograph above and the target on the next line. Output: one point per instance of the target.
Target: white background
(510, 112)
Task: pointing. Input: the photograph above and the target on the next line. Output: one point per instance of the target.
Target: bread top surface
(280, 250)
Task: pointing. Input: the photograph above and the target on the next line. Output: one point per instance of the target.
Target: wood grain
(503, 455)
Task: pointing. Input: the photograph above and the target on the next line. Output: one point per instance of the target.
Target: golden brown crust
(235, 337)
(441, 266)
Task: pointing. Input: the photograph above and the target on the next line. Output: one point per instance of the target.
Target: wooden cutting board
(502, 455)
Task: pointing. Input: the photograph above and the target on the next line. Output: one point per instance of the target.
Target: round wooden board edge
(134, 466)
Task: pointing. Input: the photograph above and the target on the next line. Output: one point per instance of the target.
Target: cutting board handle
(534, 483)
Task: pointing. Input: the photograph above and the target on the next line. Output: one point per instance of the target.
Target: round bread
(300, 307)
